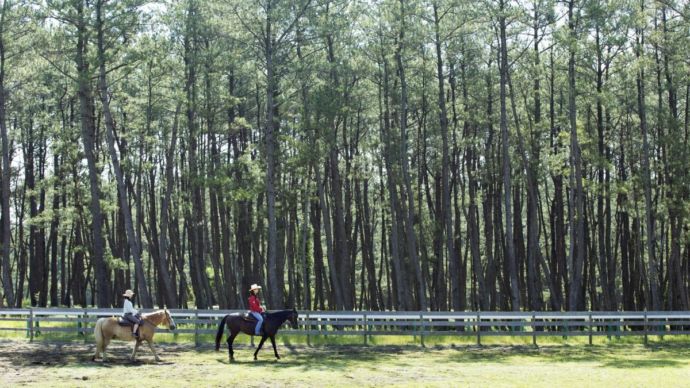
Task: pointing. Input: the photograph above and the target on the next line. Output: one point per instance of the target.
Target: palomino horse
(108, 329)
(237, 323)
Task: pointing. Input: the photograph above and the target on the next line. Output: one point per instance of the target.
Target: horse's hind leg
(153, 350)
(263, 339)
(273, 342)
(231, 339)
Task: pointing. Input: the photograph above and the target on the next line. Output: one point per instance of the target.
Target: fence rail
(419, 324)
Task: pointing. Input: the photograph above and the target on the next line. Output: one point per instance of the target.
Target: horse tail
(221, 330)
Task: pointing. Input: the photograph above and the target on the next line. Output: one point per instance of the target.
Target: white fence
(419, 324)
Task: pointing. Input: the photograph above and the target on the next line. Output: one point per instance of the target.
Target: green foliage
(202, 66)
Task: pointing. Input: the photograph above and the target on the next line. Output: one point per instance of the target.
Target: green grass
(619, 363)
(320, 340)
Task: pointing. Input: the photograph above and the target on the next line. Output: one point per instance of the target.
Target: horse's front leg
(134, 352)
(153, 350)
(263, 338)
(273, 342)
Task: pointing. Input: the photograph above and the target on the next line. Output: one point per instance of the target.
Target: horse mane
(280, 314)
(156, 317)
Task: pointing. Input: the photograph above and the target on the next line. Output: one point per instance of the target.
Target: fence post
(196, 327)
(567, 329)
(84, 324)
(589, 322)
(479, 330)
(534, 329)
(365, 327)
(31, 325)
(79, 323)
(308, 327)
(421, 327)
(645, 327)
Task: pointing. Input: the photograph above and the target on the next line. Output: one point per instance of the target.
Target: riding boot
(135, 331)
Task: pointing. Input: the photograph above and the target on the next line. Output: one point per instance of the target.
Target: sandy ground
(27, 363)
(69, 364)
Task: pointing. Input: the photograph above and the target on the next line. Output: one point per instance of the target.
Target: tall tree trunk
(53, 240)
(402, 293)
(557, 218)
(654, 302)
(577, 216)
(132, 239)
(271, 126)
(532, 166)
(507, 184)
(197, 266)
(170, 295)
(6, 171)
(676, 171)
(601, 226)
(88, 134)
(36, 265)
(411, 239)
(340, 227)
(447, 225)
(487, 197)
(215, 195)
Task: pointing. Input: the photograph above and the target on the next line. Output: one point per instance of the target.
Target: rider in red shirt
(255, 307)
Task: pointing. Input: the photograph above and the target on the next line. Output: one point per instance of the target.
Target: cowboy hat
(255, 287)
(128, 293)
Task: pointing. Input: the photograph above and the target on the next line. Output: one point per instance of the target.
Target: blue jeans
(260, 319)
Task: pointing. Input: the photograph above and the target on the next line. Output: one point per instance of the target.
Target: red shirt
(255, 304)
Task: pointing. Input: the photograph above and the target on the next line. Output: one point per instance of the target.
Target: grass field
(623, 363)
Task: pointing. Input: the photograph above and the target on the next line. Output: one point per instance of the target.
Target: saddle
(123, 322)
(247, 316)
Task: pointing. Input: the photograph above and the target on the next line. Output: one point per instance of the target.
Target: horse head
(169, 321)
(293, 318)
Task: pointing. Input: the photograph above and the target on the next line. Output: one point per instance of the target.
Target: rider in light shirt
(130, 313)
(255, 307)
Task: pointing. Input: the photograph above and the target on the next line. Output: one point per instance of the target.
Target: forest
(346, 154)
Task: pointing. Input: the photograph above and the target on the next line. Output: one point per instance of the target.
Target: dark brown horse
(238, 323)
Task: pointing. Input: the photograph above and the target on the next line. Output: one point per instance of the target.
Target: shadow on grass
(56, 355)
(344, 357)
(615, 356)
(644, 364)
(318, 358)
